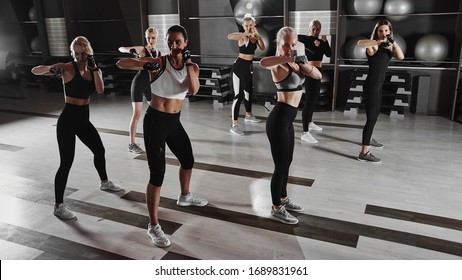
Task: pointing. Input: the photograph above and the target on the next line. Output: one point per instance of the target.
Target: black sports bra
(293, 82)
(78, 87)
(248, 48)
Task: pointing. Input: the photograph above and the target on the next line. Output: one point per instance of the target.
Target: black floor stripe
(10, 148)
(414, 217)
(43, 193)
(176, 256)
(302, 230)
(54, 248)
(30, 113)
(119, 216)
(319, 228)
(235, 171)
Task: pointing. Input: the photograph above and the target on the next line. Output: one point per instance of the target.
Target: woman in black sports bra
(378, 57)
(288, 74)
(81, 77)
(242, 71)
(140, 84)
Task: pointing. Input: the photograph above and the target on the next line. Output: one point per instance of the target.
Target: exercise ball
(35, 45)
(364, 7)
(401, 42)
(353, 51)
(243, 7)
(393, 8)
(265, 38)
(32, 14)
(431, 47)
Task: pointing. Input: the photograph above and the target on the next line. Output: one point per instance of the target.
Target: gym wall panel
(57, 37)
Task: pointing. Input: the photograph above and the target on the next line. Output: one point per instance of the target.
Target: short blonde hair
(315, 22)
(284, 31)
(81, 40)
(151, 30)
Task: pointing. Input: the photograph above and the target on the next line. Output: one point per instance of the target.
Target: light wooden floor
(407, 207)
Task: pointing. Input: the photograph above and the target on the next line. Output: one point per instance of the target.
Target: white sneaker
(63, 212)
(307, 137)
(191, 200)
(314, 127)
(109, 186)
(157, 236)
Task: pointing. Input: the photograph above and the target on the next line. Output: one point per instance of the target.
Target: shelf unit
(215, 83)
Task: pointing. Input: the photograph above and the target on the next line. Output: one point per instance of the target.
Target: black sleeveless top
(378, 64)
(78, 87)
(248, 48)
(153, 53)
(312, 52)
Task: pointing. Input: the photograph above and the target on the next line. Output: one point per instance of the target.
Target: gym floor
(407, 207)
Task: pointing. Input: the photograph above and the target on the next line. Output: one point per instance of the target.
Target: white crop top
(170, 82)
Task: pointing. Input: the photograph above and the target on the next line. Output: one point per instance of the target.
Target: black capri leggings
(313, 86)
(373, 102)
(280, 132)
(243, 86)
(141, 86)
(160, 128)
(75, 121)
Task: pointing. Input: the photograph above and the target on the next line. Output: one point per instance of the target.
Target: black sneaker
(368, 157)
(375, 144)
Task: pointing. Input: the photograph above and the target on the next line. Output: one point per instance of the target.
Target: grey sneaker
(135, 148)
(281, 215)
(291, 206)
(375, 144)
(157, 236)
(63, 212)
(251, 119)
(368, 157)
(314, 127)
(109, 186)
(191, 200)
(236, 130)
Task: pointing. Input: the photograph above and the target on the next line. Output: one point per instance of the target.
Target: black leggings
(373, 102)
(313, 87)
(75, 121)
(141, 86)
(243, 86)
(280, 132)
(160, 128)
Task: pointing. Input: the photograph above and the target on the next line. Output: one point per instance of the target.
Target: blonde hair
(248, 16)
(151, 30)
(81, 40)
(284, 31)
(315, 22)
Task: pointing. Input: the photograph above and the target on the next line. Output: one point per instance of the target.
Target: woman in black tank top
(81, 78)
(242, 71)
(140, 84)
(378, 56)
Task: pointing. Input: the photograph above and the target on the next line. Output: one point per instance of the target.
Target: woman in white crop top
(172, 77)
